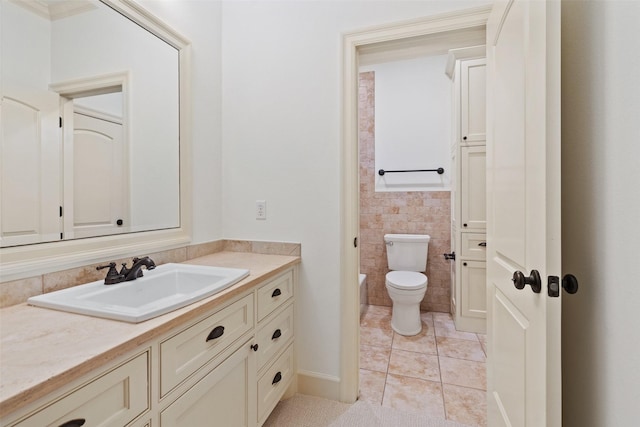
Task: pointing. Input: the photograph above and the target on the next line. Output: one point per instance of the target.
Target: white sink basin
(161, 290)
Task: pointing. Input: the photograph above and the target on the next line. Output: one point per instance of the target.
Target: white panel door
(523, 184)
(99, 191)
(473, 102)
(30, 147)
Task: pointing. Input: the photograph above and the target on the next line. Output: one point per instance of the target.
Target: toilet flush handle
(451, 256)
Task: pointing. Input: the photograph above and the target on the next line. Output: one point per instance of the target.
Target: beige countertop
(42, 350)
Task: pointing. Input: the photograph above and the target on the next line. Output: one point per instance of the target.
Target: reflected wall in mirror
(90, 124)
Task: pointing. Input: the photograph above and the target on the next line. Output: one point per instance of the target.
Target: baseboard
(319, 385)
(470, 324)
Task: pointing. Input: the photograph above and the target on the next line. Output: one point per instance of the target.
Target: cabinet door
(473, 100)
(473, 195)
(473, 289)
(226, 396)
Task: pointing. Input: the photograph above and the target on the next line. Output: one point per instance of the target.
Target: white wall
(31, 64)
(601, 210)
(412, 123)
(281, 108)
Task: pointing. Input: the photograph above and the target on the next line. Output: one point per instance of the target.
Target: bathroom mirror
(94, 136)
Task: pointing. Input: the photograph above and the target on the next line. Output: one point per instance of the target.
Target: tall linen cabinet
(466, 67)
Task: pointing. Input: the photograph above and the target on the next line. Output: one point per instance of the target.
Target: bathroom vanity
(228, 358)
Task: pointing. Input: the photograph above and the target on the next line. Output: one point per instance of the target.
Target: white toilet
(407, 256)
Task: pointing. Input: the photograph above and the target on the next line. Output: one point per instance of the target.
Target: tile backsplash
(416, 212)
(18, 291)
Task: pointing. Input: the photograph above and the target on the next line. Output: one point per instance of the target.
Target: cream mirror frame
(31, 260)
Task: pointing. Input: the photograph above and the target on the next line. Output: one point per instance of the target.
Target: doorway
(408, 36)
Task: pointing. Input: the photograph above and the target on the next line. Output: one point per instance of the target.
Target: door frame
(350, 224)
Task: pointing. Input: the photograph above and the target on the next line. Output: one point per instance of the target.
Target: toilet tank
(407, 251)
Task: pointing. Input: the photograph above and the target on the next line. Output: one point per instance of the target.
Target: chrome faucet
(127, 274)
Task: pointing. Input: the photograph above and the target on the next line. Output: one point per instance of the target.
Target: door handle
(520, 280)
(569, 284)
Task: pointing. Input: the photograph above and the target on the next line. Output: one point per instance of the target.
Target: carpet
(309, 411)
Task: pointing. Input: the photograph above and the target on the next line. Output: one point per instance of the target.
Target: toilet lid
(406, 279)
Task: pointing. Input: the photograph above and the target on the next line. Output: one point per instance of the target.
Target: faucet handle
(124, 269)
(112, 274)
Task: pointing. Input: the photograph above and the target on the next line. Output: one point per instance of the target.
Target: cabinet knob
(276, 293)
(464, 225)
(254, 347)
(277, 334)
(464, 138)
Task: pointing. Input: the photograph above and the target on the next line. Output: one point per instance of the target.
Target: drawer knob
(74, 423)
(254, 347)
(277, 334)
(464, 225)
(276, 292)
(483, 244)
(277, 378)
(215, 333)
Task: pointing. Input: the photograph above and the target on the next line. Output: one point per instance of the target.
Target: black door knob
(520, 280)
(570, 283)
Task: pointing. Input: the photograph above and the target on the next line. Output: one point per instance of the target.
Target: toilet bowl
(406, 290)
(407, 257)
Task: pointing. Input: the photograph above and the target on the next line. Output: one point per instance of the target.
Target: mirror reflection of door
(29, 158)
(99, 187)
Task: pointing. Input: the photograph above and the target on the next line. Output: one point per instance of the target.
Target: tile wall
(18, 291)
(418, 212)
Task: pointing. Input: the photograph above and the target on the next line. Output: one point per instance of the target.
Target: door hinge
(60, 121)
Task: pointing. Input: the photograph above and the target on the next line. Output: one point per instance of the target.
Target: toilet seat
(406, 280)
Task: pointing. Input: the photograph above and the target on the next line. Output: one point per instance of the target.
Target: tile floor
(439, 372)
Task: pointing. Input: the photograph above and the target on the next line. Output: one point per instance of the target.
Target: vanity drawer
(474, 246)
(274, 293)
(273, 383)
(274, 335)
(184, 353)
(115, 398)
